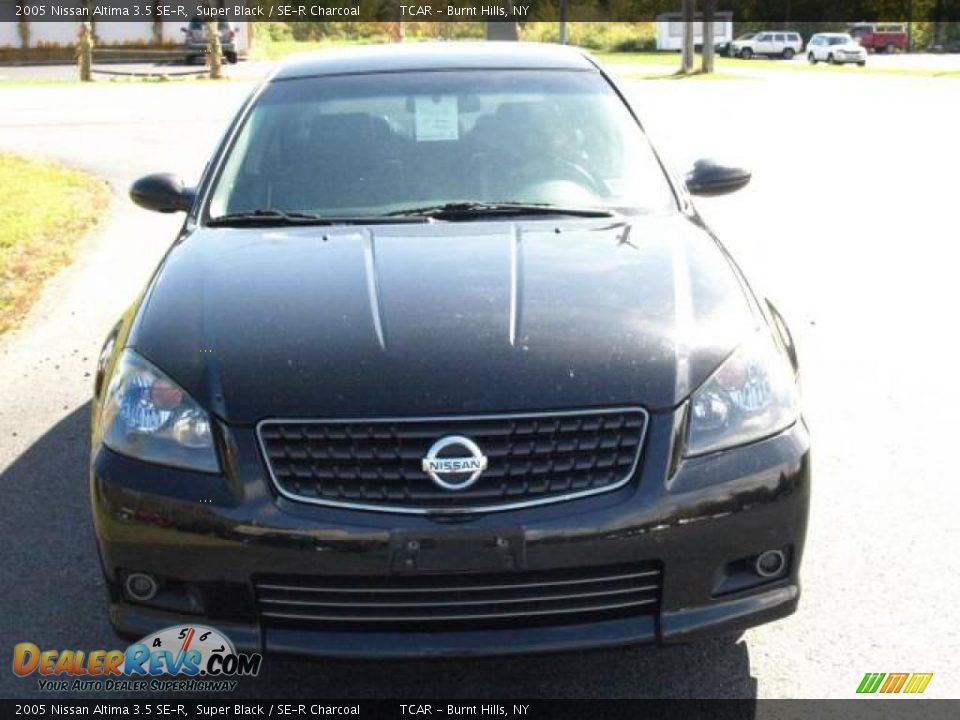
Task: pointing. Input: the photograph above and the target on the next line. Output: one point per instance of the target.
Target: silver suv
(836, 49)
(196, 43)
(785, 44)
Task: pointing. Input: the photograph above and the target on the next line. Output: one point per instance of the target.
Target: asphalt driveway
(851, 225)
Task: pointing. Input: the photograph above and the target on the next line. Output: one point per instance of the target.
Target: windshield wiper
(470, 209)
(270, 216)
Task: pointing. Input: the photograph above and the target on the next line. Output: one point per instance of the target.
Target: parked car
(722, 48)
(836, 49)
(881, 37)
(444, 361)
(783, 44)
(953, 46)
(197, 45)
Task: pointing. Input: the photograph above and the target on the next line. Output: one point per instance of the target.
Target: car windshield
(842, 40)
(747, 36)
(375, 144)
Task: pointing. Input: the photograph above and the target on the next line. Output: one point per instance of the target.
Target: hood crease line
(373, 286)
(516, 283)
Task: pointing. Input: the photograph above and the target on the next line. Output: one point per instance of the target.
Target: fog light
(770, 563)
(140, 586)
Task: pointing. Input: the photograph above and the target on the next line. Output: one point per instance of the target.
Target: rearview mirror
(163, 192)
(709, 177)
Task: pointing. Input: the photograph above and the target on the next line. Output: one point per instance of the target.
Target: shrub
(273, 31)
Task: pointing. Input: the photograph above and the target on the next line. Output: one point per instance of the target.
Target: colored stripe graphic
(870, 682)
(918, 682)
(895, 681)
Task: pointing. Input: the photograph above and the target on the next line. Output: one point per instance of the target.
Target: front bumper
(208, 537)
(201, 48)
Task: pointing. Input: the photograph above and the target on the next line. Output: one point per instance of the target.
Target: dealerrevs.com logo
(200, 659)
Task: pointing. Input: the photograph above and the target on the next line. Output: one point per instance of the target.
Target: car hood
(440, 318)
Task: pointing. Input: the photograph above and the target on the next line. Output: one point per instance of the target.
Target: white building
(670, 29)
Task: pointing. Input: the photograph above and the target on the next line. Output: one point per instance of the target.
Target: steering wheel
(577, 173)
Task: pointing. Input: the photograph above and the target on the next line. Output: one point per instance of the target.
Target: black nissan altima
(443, 361)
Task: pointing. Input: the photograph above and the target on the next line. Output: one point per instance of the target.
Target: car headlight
(149, 417)
(752, 395)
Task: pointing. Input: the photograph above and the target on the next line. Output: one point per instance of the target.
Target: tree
(686, 64)
(23, 27)
(157, 24)
(85, 52)
(214, 50)
(709, 8)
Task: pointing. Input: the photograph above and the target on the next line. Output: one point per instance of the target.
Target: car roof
(435, 56)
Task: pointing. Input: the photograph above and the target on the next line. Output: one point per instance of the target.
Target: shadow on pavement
(54, 597)
(712, 669)
(53, 592)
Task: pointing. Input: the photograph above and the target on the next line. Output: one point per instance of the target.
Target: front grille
(377, 464)
(492, 600)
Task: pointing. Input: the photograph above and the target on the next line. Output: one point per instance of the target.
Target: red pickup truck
(881, 37)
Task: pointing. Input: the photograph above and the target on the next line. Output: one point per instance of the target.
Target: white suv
(786, 44)
(836, 49)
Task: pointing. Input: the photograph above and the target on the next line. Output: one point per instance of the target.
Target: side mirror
(163, 192)
(709, 177)
(183, 29)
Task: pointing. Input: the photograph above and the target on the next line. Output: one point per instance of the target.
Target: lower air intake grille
(554, 597)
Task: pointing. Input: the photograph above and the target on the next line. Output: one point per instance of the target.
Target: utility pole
(939, 29)
(708, 14)
(686, 63)
(564, 39)
(503, 31)
(396, 29)
(910, 27)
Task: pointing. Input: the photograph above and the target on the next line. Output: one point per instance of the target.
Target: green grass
(45, 209)
(639, 58)
(696, 75)
(727, 68)
(37, 83)
(280, 49)
(114, 80)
